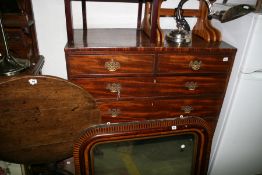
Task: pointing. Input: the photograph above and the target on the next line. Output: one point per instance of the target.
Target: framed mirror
(166, 146)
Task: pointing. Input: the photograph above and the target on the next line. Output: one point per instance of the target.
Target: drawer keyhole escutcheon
(114, 88)
(190, 85)
(114, 112)
(112, 65)
(187, 109)
(195, 64)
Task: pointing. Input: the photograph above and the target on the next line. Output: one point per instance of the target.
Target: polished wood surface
(133, 79)
(97, 64)
(146, 80)
(123, 110)
(203, 27)
(41, 117)
(132, 40)
(143, 130)
(180, 63)
(143, 87)
(20, 31)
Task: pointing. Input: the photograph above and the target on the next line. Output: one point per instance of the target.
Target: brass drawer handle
(114, 112)
(195, 64)
(114, 88)
(112, 65)
(190, 85)
(187, 109)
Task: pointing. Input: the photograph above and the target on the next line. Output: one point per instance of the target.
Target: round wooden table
(41, 117)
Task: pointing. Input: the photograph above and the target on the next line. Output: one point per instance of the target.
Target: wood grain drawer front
(153, 109)
(116, 88)
(195, 107)
(126, 110)
(110, 64)
(189, 85)
(169, 63)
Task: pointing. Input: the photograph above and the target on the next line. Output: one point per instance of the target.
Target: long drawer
(110, 64)
(136, 87)
(151, 109)
(172, 63)
(117, 88)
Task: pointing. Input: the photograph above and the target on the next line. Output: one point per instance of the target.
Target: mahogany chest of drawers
(133, 79)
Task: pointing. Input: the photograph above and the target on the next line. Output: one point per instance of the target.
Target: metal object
(195, 64)
(9, 65)
(187, 109)
(226, 12)
(113, 87)
(210, 9)
(224, 1)
(114, 112)
(233, 12)
(179, 36)
(182, 34)
(112, 65)
(190, 85)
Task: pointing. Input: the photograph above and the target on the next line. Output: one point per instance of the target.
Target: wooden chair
(41, 117)
(177, 145)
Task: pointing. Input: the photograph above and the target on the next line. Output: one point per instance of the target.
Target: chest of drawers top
(132, 40)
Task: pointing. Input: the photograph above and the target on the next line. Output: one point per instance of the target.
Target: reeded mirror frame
(106, 133)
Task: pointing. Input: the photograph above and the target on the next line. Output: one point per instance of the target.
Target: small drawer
(117, 88)
(123, 111)
(110, 64)
(190, 85)
(171, 63)
(193, 107)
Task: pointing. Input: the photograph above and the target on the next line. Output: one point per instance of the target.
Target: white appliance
(237, 143)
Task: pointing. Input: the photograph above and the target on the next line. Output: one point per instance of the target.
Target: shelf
(117, 39)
